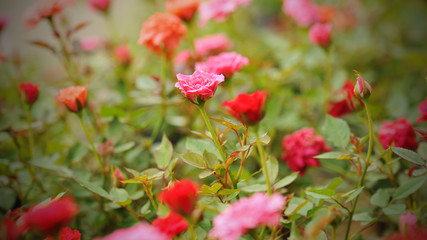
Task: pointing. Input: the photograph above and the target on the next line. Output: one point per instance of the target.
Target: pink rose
(123, 55)
(100, 5)
(91, 43)
(199, 86)
(246, 214)
(422, 108)
(407, 223)
(213, 44)
(225, 63)
(304, 12)
(141, 231)
(44, 9)
(320, 34)
(400, 133)
(219, 10)
(300, 147)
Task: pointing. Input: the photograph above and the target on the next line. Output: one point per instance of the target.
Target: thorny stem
(263, 162)
(367, 163)
(150, 196)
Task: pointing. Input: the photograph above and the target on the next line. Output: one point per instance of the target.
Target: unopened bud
(362, 89)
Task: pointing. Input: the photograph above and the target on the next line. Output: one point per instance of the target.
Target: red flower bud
(30, 90)
(362, 89)
(247, 108)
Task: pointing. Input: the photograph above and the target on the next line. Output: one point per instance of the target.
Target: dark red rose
(247, 108)
(400, 133)
(181, 197)
(30, 90)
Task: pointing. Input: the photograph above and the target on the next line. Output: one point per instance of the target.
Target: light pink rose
(100, 5)
(304, 12)
(91, 43)
(44, 9)
(225, 63)
(219, 10)
(199, 86)
(141, 231)
(213, 44)
(320, 34)
(248, 213)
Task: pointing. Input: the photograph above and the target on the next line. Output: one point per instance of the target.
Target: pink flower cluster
(44, 9)
(400, 133)
(304, 12)
(140, 231)
(219, 10)
(199, 86)
(225, 63)
(300, 147)
(320, 34)
(248, 213)
(212, 44)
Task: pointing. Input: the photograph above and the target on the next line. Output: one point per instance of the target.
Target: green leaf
(362, 217)
(254, 188)
(329, 155)
(321, 193)
(198, 146)
(337, 131)
(272, 167)
(395, 209)
(8, 198)
(286, 180)
(210, 159)
(408, 188)
(95, 189)
(145, 209)
(207, 190)
(265, 139)
(380, 198)
(295, 234)
(334, 183)
(119, 194)
(205, 174)
(49, 164)
(228, 123)
(124, 147)
(193, 159)
(76, 152)
(163, 153)
(409, 155)
(353, 194)
(301, 204)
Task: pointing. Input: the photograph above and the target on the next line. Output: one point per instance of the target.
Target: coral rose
(219, 10)
(123, 55)
(161, 33)
(422, 108)
(212, 44)
(73, 97)
(172, 225)
(44, 9)
(320, 34)
(141, 231)
(200, 86)
(226, 63)
(247, 108)
(300, 147)
(248, 213)
(399, 133)
(181, 197)
(100, 5)
(31, 91)
(184, 9)
(49, 218)
(347, 104)
(304, 12)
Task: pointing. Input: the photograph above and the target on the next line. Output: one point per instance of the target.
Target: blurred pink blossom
(198, 86)
(100, 5)
(300, 147)
(225, 63)
(212, 44)
(422, 108)
(248, 213)
(407, 223)
(44, 9)
(183, 56)
(219, 10)
(3, 22)
(141, 231)
(123, 54)
(304, 12)
(320, 34)
(400, 133)
(91, 43)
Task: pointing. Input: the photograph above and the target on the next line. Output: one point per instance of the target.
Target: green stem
(327, 83)
(150, 196)
(202, 110)
(263, 162)
(30, 131)
(92, 145)
(367, 163)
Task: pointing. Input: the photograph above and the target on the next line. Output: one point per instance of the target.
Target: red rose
(30, 90)
(399, 132)
(422, 108)
(172, 225)
(67, 234)
(48, 218)
(247, 108)
(73, 97)
(181, 197)
(347, 104)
